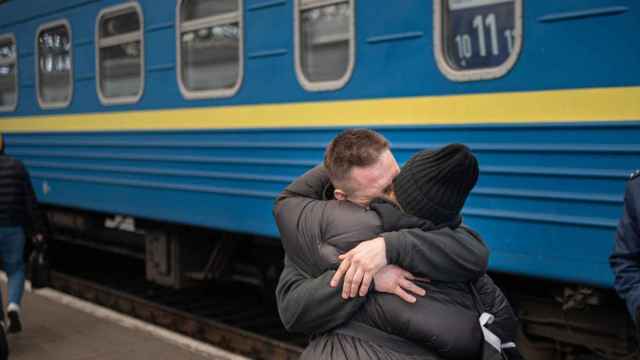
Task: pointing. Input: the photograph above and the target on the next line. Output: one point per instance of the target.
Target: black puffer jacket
(314, 232)
(488, 297)
(18, 204)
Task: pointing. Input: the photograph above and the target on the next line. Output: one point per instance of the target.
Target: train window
(120, 54)
(8, 73)
(324, 44)
(477, 39)
(209, 50)
(54, 78)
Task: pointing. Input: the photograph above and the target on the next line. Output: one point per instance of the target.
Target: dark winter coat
(314, 232)
(18, 203)
(499, 320)
(625, 259)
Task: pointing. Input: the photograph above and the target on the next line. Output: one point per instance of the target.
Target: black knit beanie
(434, 185)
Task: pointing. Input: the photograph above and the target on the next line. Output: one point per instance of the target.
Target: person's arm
(626, 253)
(445, 254)
(37, 223)
(310, 305)
(298, 214)
(415, 245)
(310, 185)
(505, 322)
(306, 302)
(442, 255)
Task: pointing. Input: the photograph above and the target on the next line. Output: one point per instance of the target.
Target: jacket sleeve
(306, 302)
(309, 305)
(298, 215)
(625, 259)
(445, 255)
(310, 185)
(494, 302)
(35, 216)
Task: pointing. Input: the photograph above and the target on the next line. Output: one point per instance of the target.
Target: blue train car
(198, 112)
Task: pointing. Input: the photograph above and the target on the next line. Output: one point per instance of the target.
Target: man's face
(373, 181)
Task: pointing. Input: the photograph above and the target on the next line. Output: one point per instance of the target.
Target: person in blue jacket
(625, 259)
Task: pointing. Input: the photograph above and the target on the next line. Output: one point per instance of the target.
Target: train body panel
(545, 208)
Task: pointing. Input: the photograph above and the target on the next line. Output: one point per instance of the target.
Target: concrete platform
(60, 327)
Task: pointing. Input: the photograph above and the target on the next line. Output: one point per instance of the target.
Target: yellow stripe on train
(575, 105)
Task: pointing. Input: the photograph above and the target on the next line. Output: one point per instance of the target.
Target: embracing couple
(379, 264)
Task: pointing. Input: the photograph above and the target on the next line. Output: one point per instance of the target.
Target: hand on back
(367, 262)
(392, 279)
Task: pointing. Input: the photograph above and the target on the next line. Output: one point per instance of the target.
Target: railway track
(237, 324)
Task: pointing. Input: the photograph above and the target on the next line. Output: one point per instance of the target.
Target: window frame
(331, 84)
(210, 21)
(41, 28)
(117, 10)
(473, 74)
(15, 62)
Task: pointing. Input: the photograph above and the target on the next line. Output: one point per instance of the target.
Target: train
(164, 130)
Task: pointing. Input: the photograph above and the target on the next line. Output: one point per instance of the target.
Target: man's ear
(339, 194)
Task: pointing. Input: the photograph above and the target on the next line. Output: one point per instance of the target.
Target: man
(361, 167)
(18, 213)
(625, 259)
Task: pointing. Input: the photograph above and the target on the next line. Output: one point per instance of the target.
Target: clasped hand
(368, 262)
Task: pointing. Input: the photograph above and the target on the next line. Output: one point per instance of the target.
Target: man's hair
(351, 148)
